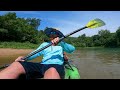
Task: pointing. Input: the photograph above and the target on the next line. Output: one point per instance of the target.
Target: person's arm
(30, 58)
(67, 47)
(65, 56)
(37, 54)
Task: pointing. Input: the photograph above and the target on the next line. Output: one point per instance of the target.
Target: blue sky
(68, 21)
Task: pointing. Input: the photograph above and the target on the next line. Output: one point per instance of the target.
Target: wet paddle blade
(95, 23)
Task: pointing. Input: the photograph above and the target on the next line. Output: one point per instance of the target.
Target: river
(98, 63)
(93, 63)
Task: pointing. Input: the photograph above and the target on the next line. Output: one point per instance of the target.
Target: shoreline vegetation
(28, 45)
(18, 45)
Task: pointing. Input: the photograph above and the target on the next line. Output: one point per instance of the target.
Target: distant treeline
(16, 29)
(13, 28)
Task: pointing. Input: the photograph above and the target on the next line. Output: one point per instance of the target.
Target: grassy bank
(27, 45)
(88, 47)
(18, 45)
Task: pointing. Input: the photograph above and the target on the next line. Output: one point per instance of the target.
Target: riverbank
(12, 51)
(18, 45)
(8, 55)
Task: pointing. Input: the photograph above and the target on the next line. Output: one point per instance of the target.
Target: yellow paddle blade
(95, 23)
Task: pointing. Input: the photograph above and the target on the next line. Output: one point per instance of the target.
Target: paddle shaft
(33, 53)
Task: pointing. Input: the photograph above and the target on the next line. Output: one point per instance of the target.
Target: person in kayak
(52, 64)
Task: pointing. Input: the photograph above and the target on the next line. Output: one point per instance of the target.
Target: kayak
(71, 71)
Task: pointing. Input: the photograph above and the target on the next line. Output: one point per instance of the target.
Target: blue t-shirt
(53, 54)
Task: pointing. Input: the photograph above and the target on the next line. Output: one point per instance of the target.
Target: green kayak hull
(71, 72)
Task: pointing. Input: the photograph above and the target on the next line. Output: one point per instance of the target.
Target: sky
(68, 21)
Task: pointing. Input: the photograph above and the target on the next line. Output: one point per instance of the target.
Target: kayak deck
(71, 71)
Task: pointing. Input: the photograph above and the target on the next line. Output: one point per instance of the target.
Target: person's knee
(17, 66)
(52, 70)
(12, 71)
(51, 73)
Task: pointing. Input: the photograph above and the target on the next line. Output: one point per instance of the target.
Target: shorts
(36, 70)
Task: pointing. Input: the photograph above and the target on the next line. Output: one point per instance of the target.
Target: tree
(3, 34)
(95, 39)
(118, 36)
(103, 34)
(13, 28)
(33, 22)
(82, 40)
(111, 41)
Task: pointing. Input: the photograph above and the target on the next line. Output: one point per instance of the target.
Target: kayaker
(52, 64)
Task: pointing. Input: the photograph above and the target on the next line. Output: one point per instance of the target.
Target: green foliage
(118, 36)
(33, 22)
(18, 45)
(15, 30)
(111, 41)
(104, 35)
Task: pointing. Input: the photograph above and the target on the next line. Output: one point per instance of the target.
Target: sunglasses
(53, 33)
